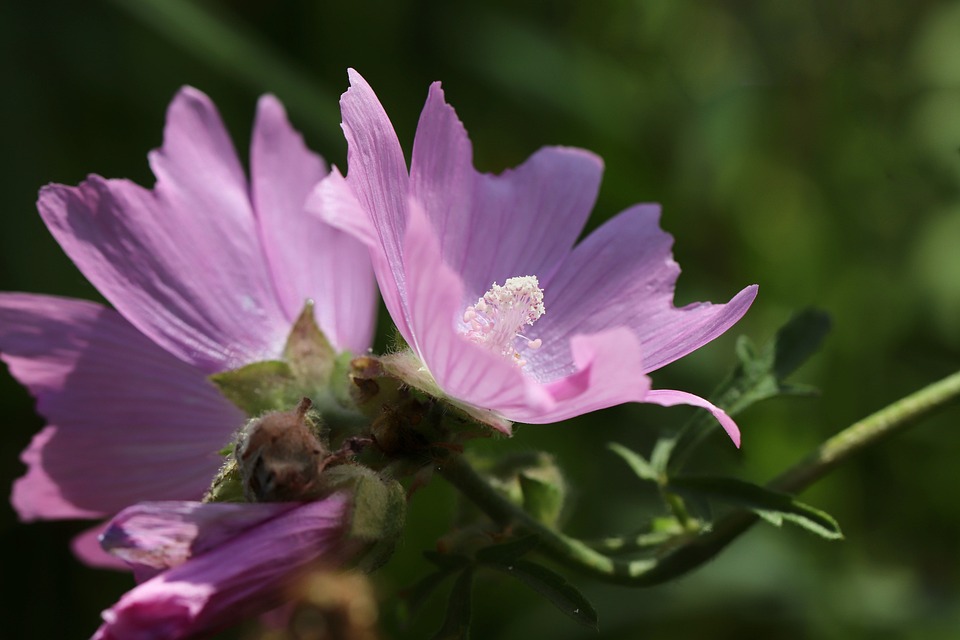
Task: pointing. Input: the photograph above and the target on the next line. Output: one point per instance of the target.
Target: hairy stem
(697, 550)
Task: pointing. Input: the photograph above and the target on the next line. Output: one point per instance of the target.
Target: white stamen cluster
(496, 319)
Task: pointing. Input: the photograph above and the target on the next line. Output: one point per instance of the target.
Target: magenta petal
(241, 577)
(127, 420)
(608, 372)
(623, 274)
(464, 370)
(493, 227)
(162, 535)
(308, 258)
(669, 398)
(86, 547)
(183, 262)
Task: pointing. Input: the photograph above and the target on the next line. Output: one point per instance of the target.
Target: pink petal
(308, 258)
(609, 371)
(493, 227)
(183, 262)
(242, 577)
(86, 547)
(334, 202)
(379, 181)
(161, 535)
(282, 173)
(623, 274)
(464, 370)
(669, 398)
(127, 421)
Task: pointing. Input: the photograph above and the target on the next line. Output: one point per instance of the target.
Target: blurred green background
(812, 147)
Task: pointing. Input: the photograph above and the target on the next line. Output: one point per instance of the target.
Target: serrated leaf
(507, 552)
(772, 506)
(638, 464)
(456, 624)
(552, 586)
(761, 372)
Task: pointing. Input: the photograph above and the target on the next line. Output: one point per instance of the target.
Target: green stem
(889, 420)
(697, 550)
(678, 509)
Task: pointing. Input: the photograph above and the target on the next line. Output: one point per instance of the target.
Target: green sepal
(379, 510)
(308, 352)
(552, 586)
(260, 387)
(310, 368)
(379, 504)
(456, 624)
(227, 485)
(372, 389)
(406, 367)
(772, 506)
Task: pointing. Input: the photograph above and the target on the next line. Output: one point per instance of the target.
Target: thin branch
(698, 550)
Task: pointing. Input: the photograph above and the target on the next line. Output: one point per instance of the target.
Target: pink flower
(481, 276)
(207, 272)
(210, 565)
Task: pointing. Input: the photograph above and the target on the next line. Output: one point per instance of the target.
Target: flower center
(496, 320)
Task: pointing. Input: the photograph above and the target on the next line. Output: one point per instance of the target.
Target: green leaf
(507, 552)
(552, 586)
(449, 561)
(639, 464)
(660, 457)
(772, 506)
(415, 596)
(456, 624)
(799, 339)
(761, 373)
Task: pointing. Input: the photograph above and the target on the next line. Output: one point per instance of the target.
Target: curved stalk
(698, 550)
